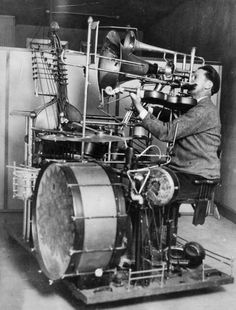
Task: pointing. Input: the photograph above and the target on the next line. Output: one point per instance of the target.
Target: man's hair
(213, 76)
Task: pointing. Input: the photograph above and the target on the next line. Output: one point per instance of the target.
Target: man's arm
(192, 122)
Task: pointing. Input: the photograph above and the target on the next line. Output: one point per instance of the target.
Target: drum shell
(96, 232)
(95, 150)
(140, 132)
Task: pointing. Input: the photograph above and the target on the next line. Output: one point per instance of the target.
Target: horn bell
(117, 61)
(132, 44)
(109, 66)
(135, 65)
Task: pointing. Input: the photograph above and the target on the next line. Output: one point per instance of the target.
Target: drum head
(53, 229)
(162, 186)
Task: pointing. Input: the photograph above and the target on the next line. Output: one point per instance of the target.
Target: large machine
(97, 190)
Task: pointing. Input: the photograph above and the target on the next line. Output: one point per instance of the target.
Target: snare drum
(79, 219)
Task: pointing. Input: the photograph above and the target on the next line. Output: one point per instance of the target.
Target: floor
(23, 288)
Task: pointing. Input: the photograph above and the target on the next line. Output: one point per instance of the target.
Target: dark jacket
(197, 140)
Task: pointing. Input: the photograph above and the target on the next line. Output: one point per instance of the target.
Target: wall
(7, 30)
(209, 25)
(17, 93)
(73, 36)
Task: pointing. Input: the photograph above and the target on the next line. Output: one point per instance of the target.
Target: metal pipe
(90, 21)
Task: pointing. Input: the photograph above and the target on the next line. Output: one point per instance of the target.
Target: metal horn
(132, 45)
(135, 65)
(109, 64)
(116, 61)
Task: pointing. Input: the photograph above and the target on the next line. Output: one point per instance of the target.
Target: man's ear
(209, 84)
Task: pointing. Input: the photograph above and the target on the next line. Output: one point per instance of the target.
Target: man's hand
(137, 102)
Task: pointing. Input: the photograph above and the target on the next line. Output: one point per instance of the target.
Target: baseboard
(228, 213)
(11, 211)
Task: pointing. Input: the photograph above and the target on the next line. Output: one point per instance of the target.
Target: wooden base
(186, 280)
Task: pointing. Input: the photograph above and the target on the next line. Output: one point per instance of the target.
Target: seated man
(197, 134)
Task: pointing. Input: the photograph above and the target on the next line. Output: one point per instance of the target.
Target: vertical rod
(184, 63)
(175, 60)
(90, 20)
(27, 141)
(193, 52)
(96, 42)
(138, 241)
(6, 138)
(30, 142)
(24, 233)
(28, 219)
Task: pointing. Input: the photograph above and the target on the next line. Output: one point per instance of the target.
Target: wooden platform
(186, 280)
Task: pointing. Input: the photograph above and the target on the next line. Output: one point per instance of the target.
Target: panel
(7, 30)
(3, 55)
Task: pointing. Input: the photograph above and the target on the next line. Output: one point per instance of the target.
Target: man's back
(197, 151)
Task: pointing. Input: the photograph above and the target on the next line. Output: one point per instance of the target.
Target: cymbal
(60, 138)
(103, 138)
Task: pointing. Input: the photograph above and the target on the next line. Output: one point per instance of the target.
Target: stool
(206, 197)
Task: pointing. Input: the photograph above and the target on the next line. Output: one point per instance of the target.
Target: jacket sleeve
(196, 120)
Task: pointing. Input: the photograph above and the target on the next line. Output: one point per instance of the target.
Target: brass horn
(135, 65)
(132, 45)
(116, 62)
(109, 64)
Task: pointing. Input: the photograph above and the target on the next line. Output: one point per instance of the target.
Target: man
(197, 134)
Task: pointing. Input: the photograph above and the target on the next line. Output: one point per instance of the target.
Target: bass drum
(79, 219)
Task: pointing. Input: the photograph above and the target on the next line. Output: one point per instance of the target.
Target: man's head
(207, 82)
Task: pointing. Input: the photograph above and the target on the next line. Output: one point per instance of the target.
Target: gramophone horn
(115, 59)
(109, 66)
(113, 37)
(135, 65)
(132, 44)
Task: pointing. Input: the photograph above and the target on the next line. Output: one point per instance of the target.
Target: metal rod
(83, 14)
(96, 217)
(90, 20)
(86, 185)
(69, 275)
(96, 42)
(118, 27)
(96, 250)
(28, 206)
(147, 270)
(104, 123)
(24, 233)
(193, 55)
